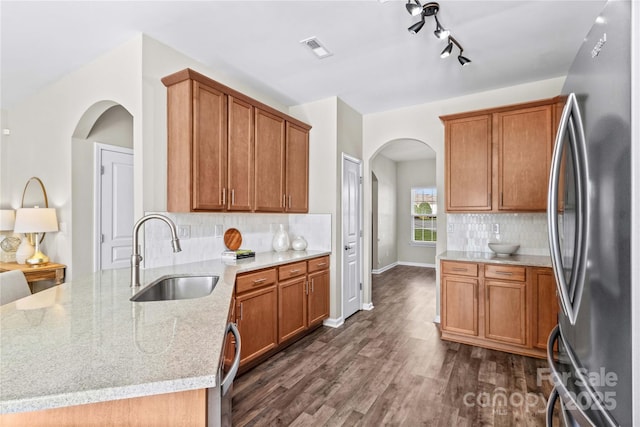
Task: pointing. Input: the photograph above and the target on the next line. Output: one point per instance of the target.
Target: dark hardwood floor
(388, 366)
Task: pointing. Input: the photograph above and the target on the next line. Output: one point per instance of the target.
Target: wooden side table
(50, 271)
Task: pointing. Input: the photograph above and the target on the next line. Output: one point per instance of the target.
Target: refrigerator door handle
(570, 293)
(568, 398)
(551, 403)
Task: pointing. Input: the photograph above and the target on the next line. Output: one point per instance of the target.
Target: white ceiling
(376, 64)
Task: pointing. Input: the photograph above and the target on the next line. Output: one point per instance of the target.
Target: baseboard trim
(383, 269)
(417, 264)
(436, 319)
(333, 323)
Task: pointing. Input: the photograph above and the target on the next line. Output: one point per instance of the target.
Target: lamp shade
(36, 220)
(7, 219)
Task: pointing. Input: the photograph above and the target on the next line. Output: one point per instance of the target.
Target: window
(424, 209)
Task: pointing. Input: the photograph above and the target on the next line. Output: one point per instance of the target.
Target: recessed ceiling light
(316, 47)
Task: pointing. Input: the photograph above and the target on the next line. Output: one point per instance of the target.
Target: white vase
(280, 241)
(25, 250)
(299, 244)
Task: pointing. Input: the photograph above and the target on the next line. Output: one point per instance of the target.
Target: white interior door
(115, 199)
(351, 236)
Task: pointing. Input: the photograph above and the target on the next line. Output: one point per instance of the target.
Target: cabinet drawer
(317, 264)
(460, 268)
(258, 279)
(505, 272)
(292, 270)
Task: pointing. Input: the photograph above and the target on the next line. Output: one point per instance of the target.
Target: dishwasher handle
(226, 382)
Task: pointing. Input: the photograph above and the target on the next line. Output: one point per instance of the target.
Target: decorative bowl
(504, 248)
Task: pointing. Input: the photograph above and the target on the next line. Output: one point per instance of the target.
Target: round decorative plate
(232, 239)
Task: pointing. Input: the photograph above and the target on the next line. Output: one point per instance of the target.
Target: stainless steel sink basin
(177, 287)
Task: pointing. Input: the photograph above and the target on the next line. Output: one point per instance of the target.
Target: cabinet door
(292, 307)
(505, 312)
(459, 309)
(269, 162)
(209, 147)
(544, 315)
(240, 156)
(318, 297)
(468, 163)
(257, 319)
(525, 142)
(297, 169)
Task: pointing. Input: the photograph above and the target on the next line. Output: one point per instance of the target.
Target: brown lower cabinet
(278, 305)
(504, 307)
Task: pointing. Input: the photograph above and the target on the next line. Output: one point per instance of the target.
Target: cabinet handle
(505, 273)
(321, 264)
(233, 197)
(241, 311)
(224, 196)
(294, 271)
(289, 200)
(284, 201)
(311, 285)
(459, 269)
(258, 281)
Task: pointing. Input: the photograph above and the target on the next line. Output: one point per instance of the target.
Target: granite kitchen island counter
(84, 341)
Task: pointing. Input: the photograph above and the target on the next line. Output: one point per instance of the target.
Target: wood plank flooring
(388, 366)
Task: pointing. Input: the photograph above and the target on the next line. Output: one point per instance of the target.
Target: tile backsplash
(472, 232)
(205, 234)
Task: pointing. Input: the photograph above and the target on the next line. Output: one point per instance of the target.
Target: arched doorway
(105, 124)
(400, 167)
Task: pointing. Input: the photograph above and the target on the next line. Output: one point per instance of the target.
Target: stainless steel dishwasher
(219, 397)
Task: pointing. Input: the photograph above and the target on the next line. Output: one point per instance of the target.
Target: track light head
(463, 59)
(414, 7)
(447, 50)
(416, 27)
(440, 32)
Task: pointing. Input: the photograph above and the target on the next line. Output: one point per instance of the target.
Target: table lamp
(36, 221)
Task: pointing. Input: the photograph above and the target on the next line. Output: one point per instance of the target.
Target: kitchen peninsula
(85, 342)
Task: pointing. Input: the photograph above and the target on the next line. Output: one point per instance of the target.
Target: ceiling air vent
(316, 47)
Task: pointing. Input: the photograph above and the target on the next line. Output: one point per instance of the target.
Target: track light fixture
(431, 9)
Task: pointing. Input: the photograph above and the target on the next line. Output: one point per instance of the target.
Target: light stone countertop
(490, 257)
(85, 342)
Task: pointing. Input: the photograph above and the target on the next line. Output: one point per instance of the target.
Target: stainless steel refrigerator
(589, 215)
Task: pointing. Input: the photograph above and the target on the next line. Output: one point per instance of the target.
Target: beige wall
(337, 129)
(386, 172)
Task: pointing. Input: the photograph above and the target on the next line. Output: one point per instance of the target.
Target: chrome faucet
(136, 257)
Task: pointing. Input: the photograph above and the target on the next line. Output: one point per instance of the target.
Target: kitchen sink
(177, 287)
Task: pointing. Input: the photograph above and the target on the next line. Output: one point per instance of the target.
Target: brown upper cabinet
(498, 160)
(229, 152)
